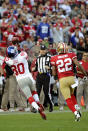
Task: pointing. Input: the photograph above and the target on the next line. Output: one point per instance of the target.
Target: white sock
(77, 107)
(35, 105)
(36, 98)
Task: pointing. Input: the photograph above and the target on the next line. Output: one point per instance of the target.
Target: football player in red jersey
(82, 89)
(62, 65)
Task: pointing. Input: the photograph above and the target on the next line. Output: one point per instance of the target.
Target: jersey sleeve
(24, 55)
(52, 60)
(73, 56)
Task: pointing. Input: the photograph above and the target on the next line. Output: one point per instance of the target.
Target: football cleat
(61, 108)
(77, 115)
(33, 110)
(42, 113)
(51, 108)
(40, 105)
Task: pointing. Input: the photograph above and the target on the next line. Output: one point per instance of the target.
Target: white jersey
(19, 65)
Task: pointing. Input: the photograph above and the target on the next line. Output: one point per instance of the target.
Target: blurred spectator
(66, 7)
(75, 37)
(43, 29)
(85, 29)
(13, 2)
(28, 42)
(75, 11)
(86, 42)
(75, 20)
(46, 42)
(81, 44)
(3, 8)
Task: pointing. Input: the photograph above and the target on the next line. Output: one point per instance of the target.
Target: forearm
(80, 66)
(54, 71)
(82, 69)
(1, 70)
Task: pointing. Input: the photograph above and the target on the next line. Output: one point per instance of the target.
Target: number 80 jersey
(63, 64)
(19, 64)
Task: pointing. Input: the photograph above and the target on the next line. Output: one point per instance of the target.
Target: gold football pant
(65, 86)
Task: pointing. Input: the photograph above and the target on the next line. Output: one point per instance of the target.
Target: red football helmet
(62, 48)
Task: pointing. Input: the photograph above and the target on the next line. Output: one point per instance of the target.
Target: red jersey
(63, 64)
(85, 66)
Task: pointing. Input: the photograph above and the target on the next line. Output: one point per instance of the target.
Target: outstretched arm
(79, 66)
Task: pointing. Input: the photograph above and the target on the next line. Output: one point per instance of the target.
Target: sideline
(22, 113)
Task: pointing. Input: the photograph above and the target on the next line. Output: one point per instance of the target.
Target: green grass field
(56, 121)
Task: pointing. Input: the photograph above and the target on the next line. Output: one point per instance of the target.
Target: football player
(18, 63)
(82, 89)
(63, 67)
(10, 93)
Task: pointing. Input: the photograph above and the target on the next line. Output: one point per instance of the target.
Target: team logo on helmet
(12, 51)
(62, 48)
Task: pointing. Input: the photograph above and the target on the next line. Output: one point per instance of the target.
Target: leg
(12, 89)
(35, 95)
(25, 86)
(60, 99)
(46, 88)
(4, 102)
(39, 84)
(80, 91)
(20, 99)
(86, 94)
(65, 86)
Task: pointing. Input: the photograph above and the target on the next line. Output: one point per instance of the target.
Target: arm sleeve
(73, 56)
(24, 54)
(52, 61)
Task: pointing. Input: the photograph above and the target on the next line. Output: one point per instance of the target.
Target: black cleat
(51, 108)
(77, 116)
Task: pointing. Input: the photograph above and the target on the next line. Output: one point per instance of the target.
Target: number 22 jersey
(63, 64)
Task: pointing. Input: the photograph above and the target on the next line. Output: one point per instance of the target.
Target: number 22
(67, 62)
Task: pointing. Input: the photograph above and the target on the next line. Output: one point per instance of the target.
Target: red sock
(70, 104)
(73, 99)
(31, 99)
(34, 92)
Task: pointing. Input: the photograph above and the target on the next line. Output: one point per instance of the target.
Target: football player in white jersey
(18, 63)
